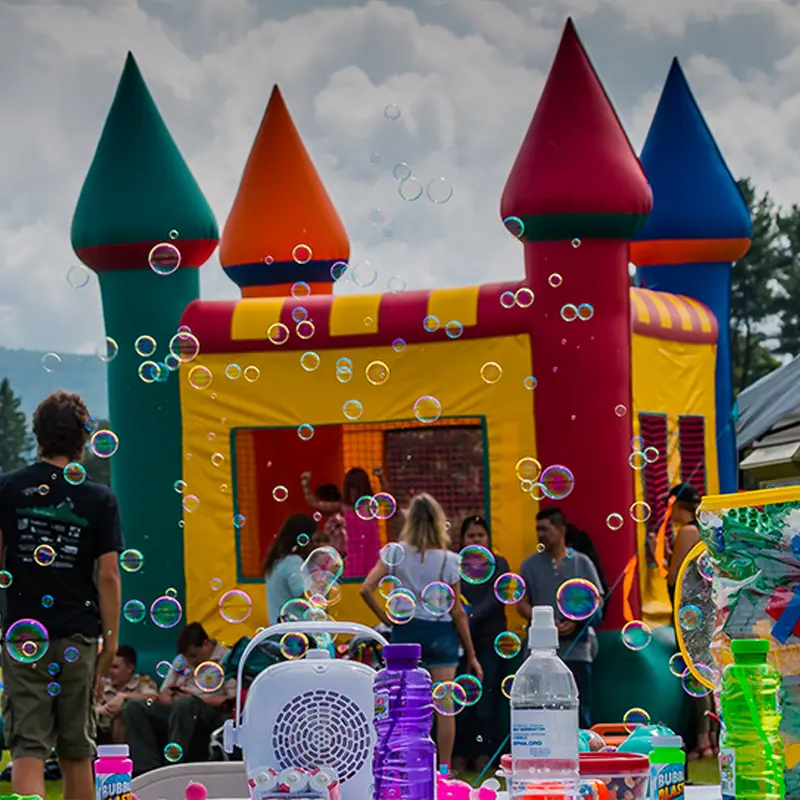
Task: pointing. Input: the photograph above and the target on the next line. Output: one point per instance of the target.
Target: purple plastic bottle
(404, 765)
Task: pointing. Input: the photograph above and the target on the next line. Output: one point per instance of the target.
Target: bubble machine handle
(354, 628)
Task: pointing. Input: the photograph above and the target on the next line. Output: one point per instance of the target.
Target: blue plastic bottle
(404, 765)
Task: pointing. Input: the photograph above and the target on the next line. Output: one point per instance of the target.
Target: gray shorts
(36, 717)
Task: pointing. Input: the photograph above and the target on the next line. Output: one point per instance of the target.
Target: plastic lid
(410, 651)
(749, 647)
(599, 764)
(113, 751)
(667, 741)
(542, 633)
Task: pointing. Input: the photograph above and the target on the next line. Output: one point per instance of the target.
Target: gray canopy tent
(768, 428)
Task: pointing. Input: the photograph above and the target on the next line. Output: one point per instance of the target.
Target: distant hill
(31, 381)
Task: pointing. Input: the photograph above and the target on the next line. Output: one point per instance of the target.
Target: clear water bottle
(404, 764)
(544, 716)
(751, 761)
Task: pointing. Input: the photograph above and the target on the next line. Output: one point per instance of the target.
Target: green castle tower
(139, 194)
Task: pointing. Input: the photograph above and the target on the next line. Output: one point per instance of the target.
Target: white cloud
(466, 75)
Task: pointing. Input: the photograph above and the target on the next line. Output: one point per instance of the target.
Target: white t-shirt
(417, 570)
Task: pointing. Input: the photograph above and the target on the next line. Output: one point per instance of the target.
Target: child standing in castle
(361, 536)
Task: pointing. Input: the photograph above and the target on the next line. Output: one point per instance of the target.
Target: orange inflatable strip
(687, 251)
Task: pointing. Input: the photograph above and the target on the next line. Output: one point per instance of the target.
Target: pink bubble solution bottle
(113, 772)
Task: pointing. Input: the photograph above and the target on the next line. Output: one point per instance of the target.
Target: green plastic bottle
(751, 762)
(667, 768)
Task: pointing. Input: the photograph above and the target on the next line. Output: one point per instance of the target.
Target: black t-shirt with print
(72, 526)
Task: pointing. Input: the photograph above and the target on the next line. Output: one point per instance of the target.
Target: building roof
(283, 226)
(699, 214)
(768, 402)
(576, 174)
(139, 189)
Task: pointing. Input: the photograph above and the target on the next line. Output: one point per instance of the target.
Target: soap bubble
(577, 599)
(477, 564)
(705, 566)
(54, 689)
(506, 685)
(569, 312)
(278, 333)
(515, 226)
(677, 665)
(166, 612)
(636, 635)
(507, 644)
(6, 579)
(200, 377)
(454, 329)
(431, 323)
(173, 752)
(233, 372)
(392, 554)
(339, 270)
(690, 617)
(524, 297)
(47, 601)
(78, 276)
(614, 521)
(636, 460)
(294, 645)
(396, 284)
(555, 280)
(529, 382)
(145, 346)
(398, 345)
(558, 482)
(401, 171)
(252, 373)
(280, 494)
(190, 503)
(305, 432)
(185, 346)
(427, 409)
(134, 611)
(74, 473)
(585, 312)
(164, 258)
(473, 688)
(384, 506)
(439, 190)
(363, 274)
(71, 655)
(437, 598)
(410, 189)
(235, 606)
(640, 511)
(104, 443)
(449, 698)
(107, 350)
(401, 606)
(695, 687)
(651, 454)
(507, 300)
(509, 588)
(321, 569)
(491, 372)
(26, 641)
(44, 555)
(392, 112)
(209, 676)
(634, 717)
(527, 469)
(620, 410)
(377, 372)
(353, 410)
(162, 669)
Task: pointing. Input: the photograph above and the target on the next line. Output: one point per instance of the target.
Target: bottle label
(727, 774)
(113, 787)
(667, 782)
(544, 733)
(381, 705)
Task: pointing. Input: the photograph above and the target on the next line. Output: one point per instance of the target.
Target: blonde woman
(426, 559)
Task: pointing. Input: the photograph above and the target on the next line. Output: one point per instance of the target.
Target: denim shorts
(437, 638)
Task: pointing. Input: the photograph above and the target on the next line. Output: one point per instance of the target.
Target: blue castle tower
(699, 226)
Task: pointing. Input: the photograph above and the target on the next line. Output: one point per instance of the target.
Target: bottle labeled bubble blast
(751, 759)
(544, 715)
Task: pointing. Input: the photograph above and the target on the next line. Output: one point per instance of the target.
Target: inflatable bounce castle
(445, 390)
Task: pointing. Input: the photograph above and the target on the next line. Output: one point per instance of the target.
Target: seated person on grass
(121, 685)
(189, 707)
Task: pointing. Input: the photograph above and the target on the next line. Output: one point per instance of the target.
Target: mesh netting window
(447, 462)
(692, 439)
(653, 431)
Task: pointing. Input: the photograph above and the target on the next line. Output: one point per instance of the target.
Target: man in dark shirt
(59, 537)
(477, 725)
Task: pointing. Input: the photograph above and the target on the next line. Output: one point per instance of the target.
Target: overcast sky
(465, 75)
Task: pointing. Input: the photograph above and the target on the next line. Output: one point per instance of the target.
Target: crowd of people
(100, 696)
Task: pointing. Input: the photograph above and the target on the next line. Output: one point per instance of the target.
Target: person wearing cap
(686, 501)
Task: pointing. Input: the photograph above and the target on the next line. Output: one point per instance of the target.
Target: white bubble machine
(315, 712)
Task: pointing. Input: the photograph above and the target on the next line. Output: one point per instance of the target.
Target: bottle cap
(113, 751)
(410, 651)
(542, 633)
(749, 647)
(667, 741)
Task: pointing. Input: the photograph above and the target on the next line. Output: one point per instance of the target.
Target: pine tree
(16, 441)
